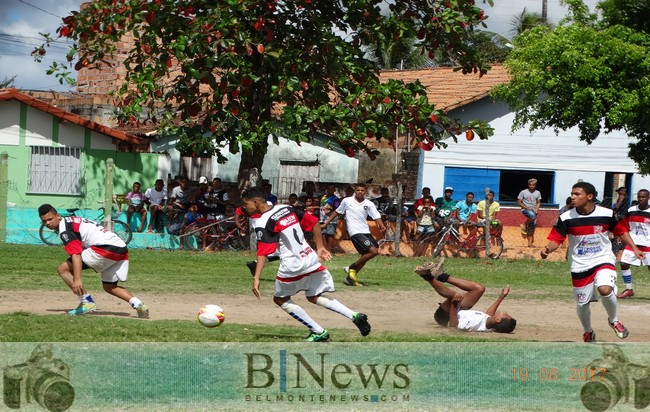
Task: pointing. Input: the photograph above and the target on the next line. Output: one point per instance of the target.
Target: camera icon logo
(617, 380)
(42, 379)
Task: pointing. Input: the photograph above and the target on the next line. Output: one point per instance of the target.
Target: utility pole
(544, 11)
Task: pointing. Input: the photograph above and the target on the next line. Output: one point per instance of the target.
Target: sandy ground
(408, 311)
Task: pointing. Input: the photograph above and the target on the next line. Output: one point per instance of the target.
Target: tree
(584, 73)
(7, 82)
(525, 21)
(233, 72)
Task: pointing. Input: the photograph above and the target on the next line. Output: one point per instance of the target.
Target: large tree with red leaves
(231, 73)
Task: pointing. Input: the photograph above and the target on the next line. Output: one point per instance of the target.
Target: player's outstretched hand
(505, 291)
(324, 254)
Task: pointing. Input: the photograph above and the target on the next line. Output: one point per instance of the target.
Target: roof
(448, 89)
(13, 94)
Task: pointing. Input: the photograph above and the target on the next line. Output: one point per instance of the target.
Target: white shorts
(112, 270)
(630, 258)
(313, 285)
(587, 293)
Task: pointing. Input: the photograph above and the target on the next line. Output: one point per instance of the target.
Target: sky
(22, 20)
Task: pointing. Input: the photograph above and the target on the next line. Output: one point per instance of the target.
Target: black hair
(505, 325)
(469, 193)
(644, 191)
(587, 187)
(136, 183)
(160, 180)
(568, 200)
(441, 316)
(492, 193)
(254, 193)
(46, 208)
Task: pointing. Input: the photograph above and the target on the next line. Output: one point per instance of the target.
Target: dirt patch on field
(403, 311)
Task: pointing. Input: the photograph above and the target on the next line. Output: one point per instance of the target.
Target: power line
(38, 8)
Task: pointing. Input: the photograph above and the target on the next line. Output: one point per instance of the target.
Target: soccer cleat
(361, 321)
(324, 336)
(351, 278)
(434, 269)
(143, 311)
(589, 337)
(251, 265)
(619, 329)
(627, 293)
(83, 308)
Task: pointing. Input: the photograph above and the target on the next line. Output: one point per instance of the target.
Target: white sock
(609, 302)
(301, 316)
(627, 278)
(584, 314)
(135, 302)
(335, 306)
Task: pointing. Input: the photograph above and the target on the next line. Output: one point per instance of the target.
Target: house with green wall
(58, 157)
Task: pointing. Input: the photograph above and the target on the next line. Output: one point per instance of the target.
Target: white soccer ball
(211, 316)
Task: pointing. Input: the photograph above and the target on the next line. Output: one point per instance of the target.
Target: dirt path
(408, 311)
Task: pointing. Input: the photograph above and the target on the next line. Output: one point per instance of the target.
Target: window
(55, 170)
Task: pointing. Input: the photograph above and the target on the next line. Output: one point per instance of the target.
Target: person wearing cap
(199, 195)
(425, 192)
(445, 204)
(529, 200)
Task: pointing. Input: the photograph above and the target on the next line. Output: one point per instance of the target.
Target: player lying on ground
(456, 311)
(91, 247)
(279, 230)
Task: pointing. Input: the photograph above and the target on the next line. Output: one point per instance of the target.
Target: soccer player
(456, 311)
(587, 226)
(637, 221)
(91, 247)
(357, 209)
(280, 228)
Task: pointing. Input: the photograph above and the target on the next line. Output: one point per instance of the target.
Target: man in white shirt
(456, 311)
(357, 209)
(156, 198)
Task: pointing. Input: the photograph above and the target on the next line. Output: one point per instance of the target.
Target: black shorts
(363, 242)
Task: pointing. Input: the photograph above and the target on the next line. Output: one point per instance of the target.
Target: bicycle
(473, 244)
(209, 234)
(120, 228)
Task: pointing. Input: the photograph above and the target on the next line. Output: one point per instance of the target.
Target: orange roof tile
(9, 94)
(447, 89)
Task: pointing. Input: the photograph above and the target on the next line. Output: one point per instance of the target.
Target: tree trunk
(251, 162)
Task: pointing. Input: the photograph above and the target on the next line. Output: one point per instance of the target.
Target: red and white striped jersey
(282, 228)
(589, 243)
(78, 234)
(637, 222)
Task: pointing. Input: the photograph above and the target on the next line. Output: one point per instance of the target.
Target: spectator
(445, 204)
(220, 198)
(192, 214)
(357, 210)
(529, 200)
(465, 210)
(385, 205)
(136, 201)
(308, 190)
(496, 227)
(270, 197)
(328, 203)
(349, 191)
(425, 192)
(295, 203)
(179, 201)
(621, 204)
(311, 207)
(426, 213)
(199, 195)
(156, 198)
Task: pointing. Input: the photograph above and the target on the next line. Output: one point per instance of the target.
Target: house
(59, 157)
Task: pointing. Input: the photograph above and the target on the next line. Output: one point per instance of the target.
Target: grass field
(33, 267)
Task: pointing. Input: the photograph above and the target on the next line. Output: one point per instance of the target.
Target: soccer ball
(211, 316)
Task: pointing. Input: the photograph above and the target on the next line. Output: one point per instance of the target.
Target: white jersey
(638, 223)
(78, 234)
(472, 321)
(357, 213)
(588, 236)
(281, 228)
(156, 198)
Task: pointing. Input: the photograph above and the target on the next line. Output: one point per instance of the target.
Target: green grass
(33, 267)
